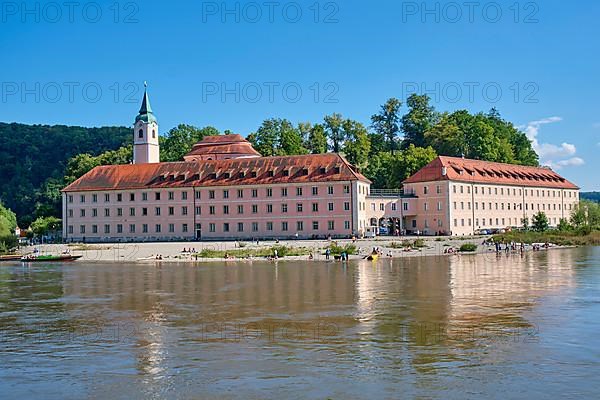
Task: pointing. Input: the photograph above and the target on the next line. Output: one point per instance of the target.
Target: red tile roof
(241, 171)
(466, 170)
(222, 144)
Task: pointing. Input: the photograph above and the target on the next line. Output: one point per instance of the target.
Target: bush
(282, 251)
(7, 243)
(419, 243)
(468, 248)
(338, 250)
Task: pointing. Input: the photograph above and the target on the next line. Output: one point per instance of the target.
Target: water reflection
(265, 329)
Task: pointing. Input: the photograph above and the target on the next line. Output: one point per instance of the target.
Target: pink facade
(454, 199)
(236, 212)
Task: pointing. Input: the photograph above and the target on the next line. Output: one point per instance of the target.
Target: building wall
(264, 211)
(383, 209)
(186, 213)
(469, 207)
(432, 206)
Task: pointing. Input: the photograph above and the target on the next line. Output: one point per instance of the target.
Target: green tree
(83, 163)
(579, 215)
(335, 131)
(386, 123)
(45, 225)
(317, 140)
(378, 169)
(522, 149)
(180, 140)
(378, 144)
(266, 138)
(277, 137)
(586, 214)
(407, 162)
(357, 145)
(564, 226)
(419, 119)
(480, 137)
(290, 140)
(8, 224)
(540, 222)
(388, 171)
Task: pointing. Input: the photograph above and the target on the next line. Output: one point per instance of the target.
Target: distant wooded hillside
(592, 196)
(33, 155)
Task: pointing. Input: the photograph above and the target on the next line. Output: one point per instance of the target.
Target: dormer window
(337, 170)
(226, 175)
(286, 172)
(242, 175)
(270, 174)
(323, 170)
(253, 174)
(305, 171)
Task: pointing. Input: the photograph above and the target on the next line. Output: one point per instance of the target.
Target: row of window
(500, 222)
(507, 206)
(501, 191)
(212, 227)
(394, 206)
(426, 223)
(211, 210)
(211, 194)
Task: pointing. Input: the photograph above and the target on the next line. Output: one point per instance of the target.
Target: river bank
(193, 252)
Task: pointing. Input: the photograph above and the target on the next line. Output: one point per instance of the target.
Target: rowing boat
(47, 258)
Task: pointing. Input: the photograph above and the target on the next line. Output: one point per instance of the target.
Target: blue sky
(233, 64)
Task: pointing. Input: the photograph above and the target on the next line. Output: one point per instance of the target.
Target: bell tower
(145, 134)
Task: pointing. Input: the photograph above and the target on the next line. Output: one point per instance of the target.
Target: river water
(441, 327)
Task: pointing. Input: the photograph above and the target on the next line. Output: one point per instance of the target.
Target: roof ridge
(497, 162)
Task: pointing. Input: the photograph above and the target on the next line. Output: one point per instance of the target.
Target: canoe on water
(61, 258)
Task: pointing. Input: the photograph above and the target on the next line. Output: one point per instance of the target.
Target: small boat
(61, 258)
(10, 258)
(373, 257)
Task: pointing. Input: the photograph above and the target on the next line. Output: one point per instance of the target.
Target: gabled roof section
(243, 171)
(223, 144)
(476, 171)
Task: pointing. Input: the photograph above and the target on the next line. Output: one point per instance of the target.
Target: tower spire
(145, 113)
(145, 108)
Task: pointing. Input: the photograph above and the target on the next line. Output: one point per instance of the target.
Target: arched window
(141, 134)
(153, 134)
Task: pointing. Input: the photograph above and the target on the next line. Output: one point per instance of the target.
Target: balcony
(396, 193)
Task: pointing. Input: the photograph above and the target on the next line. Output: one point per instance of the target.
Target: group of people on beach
(513, 246)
